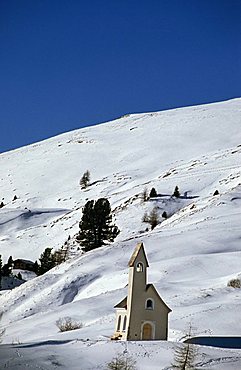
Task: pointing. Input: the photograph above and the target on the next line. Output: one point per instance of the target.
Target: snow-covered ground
(192, 255)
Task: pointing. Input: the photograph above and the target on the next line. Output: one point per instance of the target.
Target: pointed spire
(139, 248)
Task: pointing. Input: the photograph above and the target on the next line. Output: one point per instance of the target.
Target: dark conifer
(95, 225)
(153, 193)
(164, 215)
(47, 261)
(176, 192)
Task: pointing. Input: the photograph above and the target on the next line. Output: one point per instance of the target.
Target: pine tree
(164, 215)
(85, 180)
(47, 261)
(10, 261)
(153, 193)
(36, 267)
(95, 225)
(176, 192)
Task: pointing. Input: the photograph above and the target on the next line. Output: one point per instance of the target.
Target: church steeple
(138, 265)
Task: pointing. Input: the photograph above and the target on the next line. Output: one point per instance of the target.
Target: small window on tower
(149, 304)
(139, 267)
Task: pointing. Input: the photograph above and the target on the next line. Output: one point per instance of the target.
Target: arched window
(124, 324)
(139, 267)
(149, 304)
(119, 323)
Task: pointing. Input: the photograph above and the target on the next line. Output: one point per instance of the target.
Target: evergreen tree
(47, 261)
(10, 261)
(164, 215)
(95, 225)
(85, 180)
(153, 193)
(36, 267)
(176, 192)
(6, 270)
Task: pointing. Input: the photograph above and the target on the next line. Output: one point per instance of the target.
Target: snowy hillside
(192, 255)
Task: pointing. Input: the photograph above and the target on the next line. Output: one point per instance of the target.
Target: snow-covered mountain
(192, 254)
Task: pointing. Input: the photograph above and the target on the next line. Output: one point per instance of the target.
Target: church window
(149, 304)
(124, 324)
(119, 323)
(139, 267)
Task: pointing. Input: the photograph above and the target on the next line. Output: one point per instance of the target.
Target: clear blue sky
(65, 64)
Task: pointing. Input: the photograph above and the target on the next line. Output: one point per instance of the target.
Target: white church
(142, 315)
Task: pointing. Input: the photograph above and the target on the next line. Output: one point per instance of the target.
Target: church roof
(139, 247)
(122, 304)
(151, 286)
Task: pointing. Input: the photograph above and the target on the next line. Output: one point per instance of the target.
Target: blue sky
(65, 64)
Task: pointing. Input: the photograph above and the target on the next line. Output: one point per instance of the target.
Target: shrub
(145, 217)
(67, 324)
(235, 283)
(122, 362)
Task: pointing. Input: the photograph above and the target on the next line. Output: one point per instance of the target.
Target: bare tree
(152, 218)
(85, 180)
(185, 354)
(144, 195)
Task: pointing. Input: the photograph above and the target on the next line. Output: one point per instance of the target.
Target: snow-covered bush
(234, 283)
(67, 324)
(122, 362)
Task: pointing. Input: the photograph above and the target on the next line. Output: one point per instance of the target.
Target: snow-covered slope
(193, 254)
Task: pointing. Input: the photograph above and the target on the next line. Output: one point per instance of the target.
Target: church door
(147, 332)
